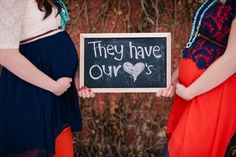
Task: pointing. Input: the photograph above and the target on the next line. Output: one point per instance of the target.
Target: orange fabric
(64, 144)
(203, 126)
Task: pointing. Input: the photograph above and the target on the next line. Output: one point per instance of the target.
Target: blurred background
(127, 125)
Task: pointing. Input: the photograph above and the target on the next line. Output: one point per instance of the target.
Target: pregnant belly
(188, 71)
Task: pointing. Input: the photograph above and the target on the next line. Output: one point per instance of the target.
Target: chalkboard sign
(125, 62)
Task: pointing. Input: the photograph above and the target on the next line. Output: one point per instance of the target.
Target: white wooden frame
(125, 35)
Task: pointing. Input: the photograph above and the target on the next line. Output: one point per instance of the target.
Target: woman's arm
(175, 76)
(216, 74)
(21, 67)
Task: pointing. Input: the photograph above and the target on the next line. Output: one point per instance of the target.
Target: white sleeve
(11, 17)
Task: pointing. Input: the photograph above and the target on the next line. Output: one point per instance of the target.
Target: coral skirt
(203, 126)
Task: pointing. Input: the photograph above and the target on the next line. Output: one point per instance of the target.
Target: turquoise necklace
(195, 28)
(65, 18)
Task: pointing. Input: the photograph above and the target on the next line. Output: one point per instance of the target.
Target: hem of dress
(59, 131)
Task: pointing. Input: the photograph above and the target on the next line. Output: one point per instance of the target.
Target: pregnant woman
(203, 119)
(38, 97)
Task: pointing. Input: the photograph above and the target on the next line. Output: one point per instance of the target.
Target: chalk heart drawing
(134, 70)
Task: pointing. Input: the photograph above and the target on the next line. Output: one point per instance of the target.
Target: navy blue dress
(30, 117)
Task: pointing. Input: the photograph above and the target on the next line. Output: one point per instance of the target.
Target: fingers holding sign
(166, 92)
(86, 92)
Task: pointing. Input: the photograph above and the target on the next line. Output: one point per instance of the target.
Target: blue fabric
(31, 118)
(233, 5)
(165, 152)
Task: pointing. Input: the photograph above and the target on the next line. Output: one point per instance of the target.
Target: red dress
(204, 126)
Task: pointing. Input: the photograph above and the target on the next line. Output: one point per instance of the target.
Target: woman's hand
(61, 86)
(167, 92)
(183, 92)
(85, 92)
